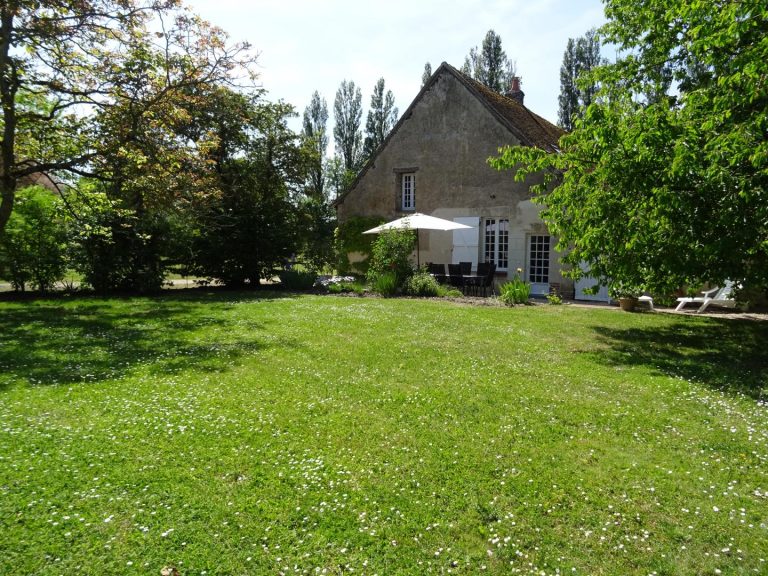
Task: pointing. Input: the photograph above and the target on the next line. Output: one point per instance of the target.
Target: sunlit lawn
(246, 434)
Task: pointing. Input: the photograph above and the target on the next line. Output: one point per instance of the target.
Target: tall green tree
(314, 130)
(56, 49)
(348, 115)
(151, 152)
(670, 190)
(252, 224)
(382, 116)
(426, 75)
(489, 64)
(577, 86)
(73, 54)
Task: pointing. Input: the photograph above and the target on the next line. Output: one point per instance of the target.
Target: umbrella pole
(418, 262)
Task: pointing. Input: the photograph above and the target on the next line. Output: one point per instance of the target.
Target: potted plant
(627, 295)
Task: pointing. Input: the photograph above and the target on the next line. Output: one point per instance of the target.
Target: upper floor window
(408, 191)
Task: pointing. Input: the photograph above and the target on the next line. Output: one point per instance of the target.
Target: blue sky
(309, 45)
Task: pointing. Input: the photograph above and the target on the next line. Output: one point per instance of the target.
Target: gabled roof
(528, 128)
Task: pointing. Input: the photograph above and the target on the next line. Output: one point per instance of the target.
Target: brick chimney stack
(514, 91)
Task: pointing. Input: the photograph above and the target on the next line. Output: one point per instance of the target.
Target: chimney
(514, 91)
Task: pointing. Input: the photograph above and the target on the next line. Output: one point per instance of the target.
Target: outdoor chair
(466, 268)
(455, 277)
(487, 278)
(438, 271)
(718, 296)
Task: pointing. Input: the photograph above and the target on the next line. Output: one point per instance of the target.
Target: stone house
(434, 161)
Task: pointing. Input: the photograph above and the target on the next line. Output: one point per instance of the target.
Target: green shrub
(33, 247)
(515, 291)
(297, 279)
(391, 252)
(422, 284)
(346, 288)
(448, 292)
(385, 283)
(554, 299)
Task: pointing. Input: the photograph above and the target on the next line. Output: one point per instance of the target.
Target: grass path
(230, 434)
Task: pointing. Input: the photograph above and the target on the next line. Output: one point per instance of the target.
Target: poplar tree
(381, 118)
(348, 114)
(489, 64)
(314, 130)
(426, 75)
(577, 88)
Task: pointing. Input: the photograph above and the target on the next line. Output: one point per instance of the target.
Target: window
(408, 191)
(538, 260)
(496, 242)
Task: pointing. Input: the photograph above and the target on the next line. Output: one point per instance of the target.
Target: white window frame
(495, 233)
(539, 258)
(408, 191)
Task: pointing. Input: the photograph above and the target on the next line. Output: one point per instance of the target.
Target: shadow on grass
(86, 339)
(723, 354)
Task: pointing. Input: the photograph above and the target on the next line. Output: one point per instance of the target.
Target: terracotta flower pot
(628, 303)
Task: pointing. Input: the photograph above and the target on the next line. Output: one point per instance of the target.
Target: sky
(307, 45)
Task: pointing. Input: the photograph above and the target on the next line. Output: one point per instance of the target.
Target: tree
(348, 113)
(577, 87)
(314, 129)
(153, 149)
(382, 116)
(74, 55)
(252, 225)
(569, 93)
(426, 75)
(490, 65)
(666, 191)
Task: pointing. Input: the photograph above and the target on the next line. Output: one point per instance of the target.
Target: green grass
(247, 434)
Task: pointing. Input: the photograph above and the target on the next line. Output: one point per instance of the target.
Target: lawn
(240, 433)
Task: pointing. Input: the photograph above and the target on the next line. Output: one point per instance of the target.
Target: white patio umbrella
(418, 221)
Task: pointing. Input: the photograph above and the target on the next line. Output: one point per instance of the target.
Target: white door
(586, 282)
(466, 242)
(538, 264)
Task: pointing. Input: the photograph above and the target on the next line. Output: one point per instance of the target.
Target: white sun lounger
(718, 296)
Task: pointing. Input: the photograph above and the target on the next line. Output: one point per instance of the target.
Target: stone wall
(446, 139)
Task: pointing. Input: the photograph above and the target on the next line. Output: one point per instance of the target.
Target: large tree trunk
(8, 103)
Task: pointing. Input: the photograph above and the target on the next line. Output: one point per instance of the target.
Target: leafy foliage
(656, 189)
(297, 279)
(577, 87)
(391, 253)
(247, 230)
(490, 64)
(385, 283)
(314, 129)
(422, 284)
(516, 291)
(112, 87)
(382, 116)
(112, 248)
(33, 245)
(349, 238)
(348, 114)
